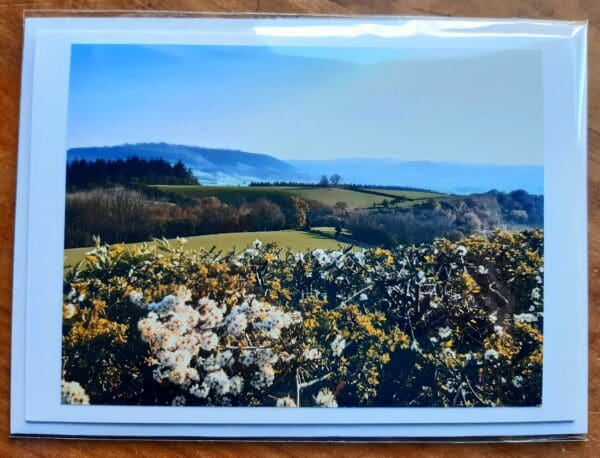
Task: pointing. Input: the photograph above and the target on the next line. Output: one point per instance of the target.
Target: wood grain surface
(11, 26)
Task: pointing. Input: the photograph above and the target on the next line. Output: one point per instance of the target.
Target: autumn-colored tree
(299, 215)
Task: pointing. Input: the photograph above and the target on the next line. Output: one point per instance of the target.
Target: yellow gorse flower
(415, 319)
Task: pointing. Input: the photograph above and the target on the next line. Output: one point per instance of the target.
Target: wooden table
(11, 25)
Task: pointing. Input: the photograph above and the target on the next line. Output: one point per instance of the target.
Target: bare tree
(324, 181)
(341, 208)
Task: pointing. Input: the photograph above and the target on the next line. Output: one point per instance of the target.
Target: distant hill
(231, 167)
(210, 166)
(449, 177)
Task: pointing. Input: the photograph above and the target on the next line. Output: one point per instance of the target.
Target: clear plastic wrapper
(294, 227)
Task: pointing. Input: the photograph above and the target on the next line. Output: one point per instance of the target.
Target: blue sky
(311, 103)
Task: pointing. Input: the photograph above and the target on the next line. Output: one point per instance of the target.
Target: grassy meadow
(294, 240)
(413, 195)
(359, 198)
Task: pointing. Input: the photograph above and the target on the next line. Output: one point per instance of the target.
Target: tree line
(127, 215)
(452, 218)
(83, 174)
(133, 215)
(336, 181)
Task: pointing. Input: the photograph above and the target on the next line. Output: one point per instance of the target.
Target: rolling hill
(447, 177)
(210, 166)
(232, 167)
(279, 194)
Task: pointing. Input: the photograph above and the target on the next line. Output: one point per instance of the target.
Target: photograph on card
(303, 226)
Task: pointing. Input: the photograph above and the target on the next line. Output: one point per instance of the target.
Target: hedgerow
(441, 324)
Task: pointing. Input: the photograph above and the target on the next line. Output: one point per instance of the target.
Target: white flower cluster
(360, 257)
(537, 295)
(338, 345)
(178, 333)
(461, 251)
(263, 359)
(219, 383)
(267, 318)
(73, 393)
(311, 354)
(285, 402)
(491, 355)
(525, 318)
(325, 398)
(136, 298)
(445, 332)
(326, 258)
(170, 330)
(264, 377)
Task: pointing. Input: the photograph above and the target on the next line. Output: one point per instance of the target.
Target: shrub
(441, 324)
(518, 216)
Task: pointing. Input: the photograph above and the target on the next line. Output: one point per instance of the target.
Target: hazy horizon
(307, 103)
(291, 160)
(229, 167)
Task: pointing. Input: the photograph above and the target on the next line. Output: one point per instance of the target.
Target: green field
(330, 231)
(408, 194)
(294, 240)
(328, 196)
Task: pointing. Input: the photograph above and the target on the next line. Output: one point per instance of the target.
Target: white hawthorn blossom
(136, 298)
(325, 398)
(73, 393)
(461, 251)
(525, 318)
(185, 342)
(311, 354)
(338, 345)
(285, 402)
(444, 332)
(491, 354)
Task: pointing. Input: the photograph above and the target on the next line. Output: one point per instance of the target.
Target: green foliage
(442, 324)
(84, 174)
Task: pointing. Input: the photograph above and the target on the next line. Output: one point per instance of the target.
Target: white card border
(41, 407)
